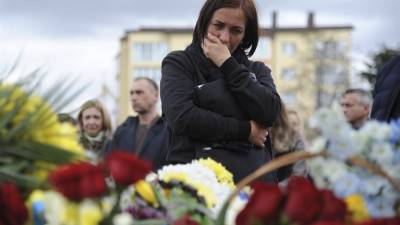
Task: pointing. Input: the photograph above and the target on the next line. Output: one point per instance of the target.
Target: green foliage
(378, 59)
(22, 114)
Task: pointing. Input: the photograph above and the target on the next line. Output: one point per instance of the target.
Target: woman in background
(95, 128)
(287, 136)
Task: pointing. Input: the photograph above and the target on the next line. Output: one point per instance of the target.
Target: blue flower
(347, 185)
(395, 132)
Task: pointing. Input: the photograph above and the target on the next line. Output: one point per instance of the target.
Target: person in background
(386, 105)
(217, 102)
(287, 136)
(95, 128)
(145, 134)
(356, 105)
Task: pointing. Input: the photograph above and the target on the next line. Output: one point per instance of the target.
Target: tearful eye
(219, 25)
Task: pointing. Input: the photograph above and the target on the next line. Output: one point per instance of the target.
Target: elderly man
(145, 134)
(356, 105)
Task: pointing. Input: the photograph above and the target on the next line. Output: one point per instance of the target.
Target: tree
(378, 60)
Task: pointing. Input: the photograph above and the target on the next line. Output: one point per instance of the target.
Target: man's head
(144, 95)
(356, 106)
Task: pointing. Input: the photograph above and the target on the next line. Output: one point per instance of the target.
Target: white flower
(348, 184)
(318, 145)
(55, 208)
(372, 142)
(123, 219)
(373, 184)
(382, 153)
(200, 177)
(234, 209)
(376, 130)
(361, 141)
(326, 171)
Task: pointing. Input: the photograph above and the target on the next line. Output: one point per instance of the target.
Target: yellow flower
(206, 193)
(146, 192)
(62, 135)
(41, 170)
(35, 196)
(44, 126)
(223, 175)
(182, 177)
(89, 213)
(357, 207)
(202, 190)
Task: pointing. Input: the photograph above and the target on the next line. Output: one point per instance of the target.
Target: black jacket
(386, 93)
(154, 147)
(222, 122)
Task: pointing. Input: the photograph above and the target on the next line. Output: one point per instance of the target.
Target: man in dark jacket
(386, 105)
(145, 134)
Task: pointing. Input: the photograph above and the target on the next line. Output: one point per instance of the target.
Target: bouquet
(190, 193)
(376, 144)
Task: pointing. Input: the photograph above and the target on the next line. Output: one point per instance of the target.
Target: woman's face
(92, 121)
(229, 25)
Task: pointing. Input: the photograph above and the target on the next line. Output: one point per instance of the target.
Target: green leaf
(159, 197)
(39, 152)
(18, 179)
(222, 214)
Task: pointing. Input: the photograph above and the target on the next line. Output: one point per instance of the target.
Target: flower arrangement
(32, 140)
(375, 143)
(45, 179)
(85, 191)
(116, 192)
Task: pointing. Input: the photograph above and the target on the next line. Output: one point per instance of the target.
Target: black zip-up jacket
(222, 124)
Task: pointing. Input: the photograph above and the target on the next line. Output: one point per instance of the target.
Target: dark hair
(250, 39)
(150, 81)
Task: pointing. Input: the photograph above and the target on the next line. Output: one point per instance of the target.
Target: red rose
(382, 221)
(333, 208)
(78, 181)
(12, 208)
(126, 168)
(185, 220)
(264, 205)
(328, 223)
(303, 201)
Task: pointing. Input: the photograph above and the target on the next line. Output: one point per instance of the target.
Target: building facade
(310, 65)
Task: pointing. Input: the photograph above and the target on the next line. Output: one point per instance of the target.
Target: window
(288, 74)
(330, 49)
(332, 74)
(149, 51)
(263, 50)
(152, 73)
(289, 49)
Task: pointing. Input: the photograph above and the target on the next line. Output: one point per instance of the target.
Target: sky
(80, 39)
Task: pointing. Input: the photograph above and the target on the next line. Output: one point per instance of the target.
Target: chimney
(310, 20)
(274, 20)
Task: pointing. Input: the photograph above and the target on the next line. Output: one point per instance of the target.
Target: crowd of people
(217, 103)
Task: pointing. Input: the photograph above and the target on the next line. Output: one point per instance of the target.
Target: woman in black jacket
(217, 103)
